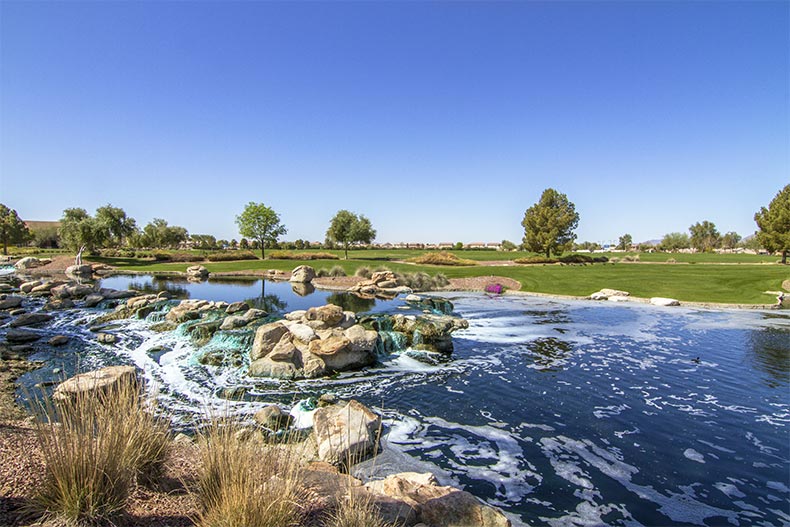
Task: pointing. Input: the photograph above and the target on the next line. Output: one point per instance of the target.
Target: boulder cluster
(312, 343)
(380, 283)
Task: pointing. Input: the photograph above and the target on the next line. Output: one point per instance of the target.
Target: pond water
(560, 412)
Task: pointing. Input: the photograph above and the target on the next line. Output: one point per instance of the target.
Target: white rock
(664, 302)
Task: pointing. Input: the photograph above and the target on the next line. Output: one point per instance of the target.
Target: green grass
(696, 277)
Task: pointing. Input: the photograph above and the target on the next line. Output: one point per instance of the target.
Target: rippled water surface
(561, 413)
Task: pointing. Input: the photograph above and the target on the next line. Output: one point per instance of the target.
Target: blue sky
(438, 121)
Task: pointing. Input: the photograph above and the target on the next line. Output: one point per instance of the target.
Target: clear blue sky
(439, 121)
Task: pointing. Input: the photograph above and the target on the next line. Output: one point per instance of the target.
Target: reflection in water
(157, 286)
(351, 302)
(545, 316)
(550, 353)
(770, 353)
(270, 303)
(302, 289)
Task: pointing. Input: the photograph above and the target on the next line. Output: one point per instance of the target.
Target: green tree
(507, 245)
(625, 242)
(549, 224)
(244, 244)
(730, 240)
(674, 241)
(458, 246)
(261, 223)
(704, 236)
(159, 235)
(78, 229)
(115, 224)
(46, 237)
(12, 228)
(587, 246)
(347, 228)
(774, 224)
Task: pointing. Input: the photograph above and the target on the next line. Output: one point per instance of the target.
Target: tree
(46, 237)
(78, 229)
(704, 236)
(261, 223)
(117, 226)
(12, 228)
(730, 240)
(244, 244)
(507, 245)
(347, 228)
(674, 241)
(774, 224)
(158, 234)
(549, 224)
(625, 242)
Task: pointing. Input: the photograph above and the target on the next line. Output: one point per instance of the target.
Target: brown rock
(329, 314)
(346, 434)
(94, 382)
(266, 338)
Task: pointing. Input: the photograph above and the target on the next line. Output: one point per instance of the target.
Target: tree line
(549, 227)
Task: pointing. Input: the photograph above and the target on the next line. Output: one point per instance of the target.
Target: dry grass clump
(335, 271)
(291, 255)
(247, 481)
(363, 271)
(356, 511)
(422, 281)
(96, 446)
(441, 258)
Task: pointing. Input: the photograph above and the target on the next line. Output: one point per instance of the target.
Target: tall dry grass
(356, 510)
(247, 480)
(96, 446)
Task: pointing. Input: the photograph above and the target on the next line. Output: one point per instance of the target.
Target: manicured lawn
(742, 284)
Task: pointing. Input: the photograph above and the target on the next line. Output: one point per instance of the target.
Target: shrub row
(441, 258)
(290, 255)
(567, 259)
(227, 256)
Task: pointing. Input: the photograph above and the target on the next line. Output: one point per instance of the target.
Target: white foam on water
(590, 514)
(730, 490)
(693, 455)
(778, 485)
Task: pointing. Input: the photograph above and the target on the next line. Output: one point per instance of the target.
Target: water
(561, 413)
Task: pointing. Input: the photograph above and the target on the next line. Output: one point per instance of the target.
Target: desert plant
(245, 480)
(228, 256)
(529, 260)
(337, 271)
(441, 258)
(290, 255)
(95, 445)
(356, 510)
(363, 271)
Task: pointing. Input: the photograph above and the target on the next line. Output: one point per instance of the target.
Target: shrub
(185, 257)
(290, 255)
(631, 258)
(321, 273)
(94, 447)
(671, 260)
(440, 280)
(614, 259)
(246, 481)
(441, 258)
(363, 271)
(535, 260)
(421, 281)
(380, 268)
(228, 256)
(337, 271)
(356, 511)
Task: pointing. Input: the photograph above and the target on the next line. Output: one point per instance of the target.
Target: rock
(254, 314)
(327, 399)
(233, 322)
(346, 433)
(413, 298)
(266, 367)
(786, 285)
(56, 304)
(106, 338)
(285, 350)
(20, 336)
(114, 294)
(598, 296)
(302, 333)
(71, 290)
(79, 270)
(381, 276)
(31, 319)
(237, 307)
(436, 505)
(182, 438)
(10, 302)
(266, 338)
(614, 292)
(273, 417)
(28, 286)
(295, 315)
(93, 300)
(95, 382)
(184, 311)
(197, 272)
(619, 299)
(361, 339)
(28, 262)
(58, 340)
(664, 302)
(302, 274)
(329, 314)
(303, 289)
(18, 311)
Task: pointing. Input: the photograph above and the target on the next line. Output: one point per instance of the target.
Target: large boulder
(21, 336)
(330, 314)
(197, 272)
(266, 338)
(71, 290)
(28, 286)
(273, 417)
(302, 274)
(29, 262)
(338, 354)
(786, 285)
(346, 433)
(94, 382)
(436, 505)
(267, 367)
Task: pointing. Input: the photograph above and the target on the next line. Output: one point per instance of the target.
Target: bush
(337, 271)
(614, 259)
(289, 255)
(535, 260)
(671, 260)
(631, 258)
(441, 258)
(363, 271)
(356, 511)
(421, 281)
(95, 447)
(229, 256)
(246, 481)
